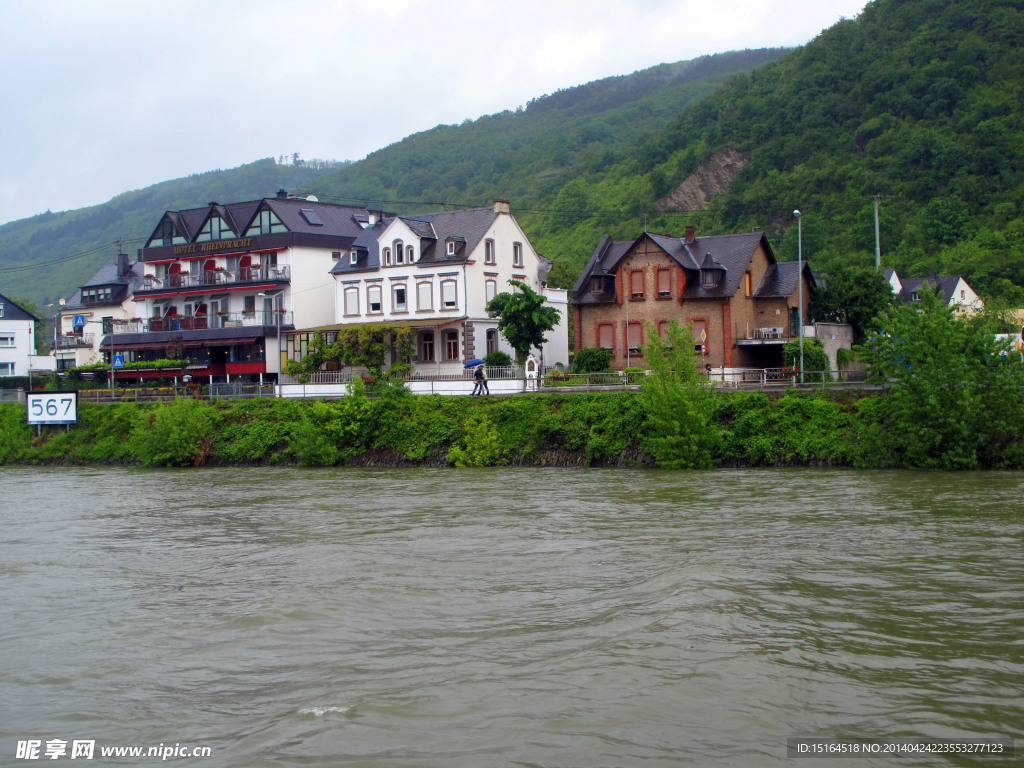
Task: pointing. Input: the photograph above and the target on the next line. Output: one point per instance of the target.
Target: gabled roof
(14, 312)
(467, 226)
(944, 286)
(115, 274)
(731, 253)
(780, 280)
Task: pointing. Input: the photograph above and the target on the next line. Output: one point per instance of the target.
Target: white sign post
(52, 407)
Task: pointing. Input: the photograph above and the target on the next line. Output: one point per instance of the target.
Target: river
(508, 617)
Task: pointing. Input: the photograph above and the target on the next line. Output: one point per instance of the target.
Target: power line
(66, 259)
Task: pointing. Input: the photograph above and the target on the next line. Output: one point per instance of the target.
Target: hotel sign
(217, 245)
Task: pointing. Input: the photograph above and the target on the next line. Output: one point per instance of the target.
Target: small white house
(17, 339)
(956, 291)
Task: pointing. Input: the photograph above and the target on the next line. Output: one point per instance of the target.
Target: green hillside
(48, 256)
(918, 101)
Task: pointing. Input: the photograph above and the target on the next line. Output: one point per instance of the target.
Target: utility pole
(878, 240)
(800, 286)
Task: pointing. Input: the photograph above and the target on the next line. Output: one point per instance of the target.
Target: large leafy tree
(956, 399)
(854, 295)
(522, 318)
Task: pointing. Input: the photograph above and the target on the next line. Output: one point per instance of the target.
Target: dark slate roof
(466, 227)
(13, 312)
(602, 261)
(780, 281)
(338, 220)
(106, 275)
(945, 286)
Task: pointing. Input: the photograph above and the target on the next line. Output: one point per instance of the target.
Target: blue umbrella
(474, 362)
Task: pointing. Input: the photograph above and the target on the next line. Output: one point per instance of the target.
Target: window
(451, 247)
(335, 255)
(448, 295)
(409, 253)
(424, 296)
(373, 299)
(351, 300)
(606, 336)
(265, 223)
(708, 278)
(6, 341)
(747, 284)
(6, 369)
(489, 252)
(634, 338)
(664, 283)
(427, 347)
(387, 257)
(663, 330)
(915, 296)
(96, 296)
(490, 289)
(636, 284)
(492, 340)
(399, 252)
(311, 217)
(165, 235)
(451, 345)
(353, 257)
(963, 294)
(215, 229)
(517, 254)
(794, 321)
(398, 303)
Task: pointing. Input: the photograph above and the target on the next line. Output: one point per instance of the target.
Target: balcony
(74, 342)
(216, 279)
(216, 320)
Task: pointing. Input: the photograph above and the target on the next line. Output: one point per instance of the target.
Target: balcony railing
(213, 279)
(205, 322)
(74, 342)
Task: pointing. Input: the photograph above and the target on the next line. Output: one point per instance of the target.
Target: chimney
(502, 206)
(281, 194)
(122, 264)
(688, 237)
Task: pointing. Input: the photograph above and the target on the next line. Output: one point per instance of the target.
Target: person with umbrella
(480, 388)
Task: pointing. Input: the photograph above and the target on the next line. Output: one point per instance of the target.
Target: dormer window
(708, 278)
(215, 229)
(353, 257)
(915, 296)
(451, 247)
(165, 234)
(399, 252)
(265, 223)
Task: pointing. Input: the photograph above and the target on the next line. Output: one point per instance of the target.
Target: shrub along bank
(399, 429)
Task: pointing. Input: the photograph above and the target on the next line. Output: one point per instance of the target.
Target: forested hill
(48, 256)
(524, 155)
(918, 101)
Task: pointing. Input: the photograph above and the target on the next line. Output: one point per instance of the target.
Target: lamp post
(800, 287)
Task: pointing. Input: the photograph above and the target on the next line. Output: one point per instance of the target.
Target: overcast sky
(105, 96)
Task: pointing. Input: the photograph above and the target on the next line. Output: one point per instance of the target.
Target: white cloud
(111, 95)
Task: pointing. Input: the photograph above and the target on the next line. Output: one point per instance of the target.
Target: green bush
(592, 360)
(497, 359)
(176, 435)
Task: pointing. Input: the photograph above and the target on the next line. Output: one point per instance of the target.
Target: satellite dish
(61, 302)
(312, 198)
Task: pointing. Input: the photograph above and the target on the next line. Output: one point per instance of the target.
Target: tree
(956, 399)
(678, 402)
(522, 318)
(854, 295)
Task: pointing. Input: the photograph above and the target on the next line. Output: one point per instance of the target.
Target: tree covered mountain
(48, 256)
(920, 102)
(524, 155)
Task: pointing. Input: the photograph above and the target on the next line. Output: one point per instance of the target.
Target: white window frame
(6, 369)
(371, 290)
(350, 303)
(489, 257)
(353, 257)
(490, 289)
(517, 254)
(427, 306)
(395, 305)
(6, 341)
(449, 294)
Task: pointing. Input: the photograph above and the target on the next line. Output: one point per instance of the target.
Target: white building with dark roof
(956, 291)
(17, 339)
(435, 273)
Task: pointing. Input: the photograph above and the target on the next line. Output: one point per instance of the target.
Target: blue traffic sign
(79, 321)
(119, 361)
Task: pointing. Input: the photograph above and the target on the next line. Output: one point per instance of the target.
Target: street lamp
(800, 287)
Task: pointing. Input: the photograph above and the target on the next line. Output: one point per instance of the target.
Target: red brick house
(731, 287)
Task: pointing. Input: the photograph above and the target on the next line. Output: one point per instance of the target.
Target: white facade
(424, 277)
(17, 339)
